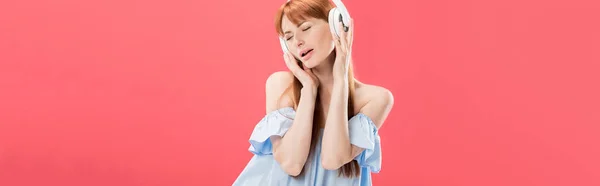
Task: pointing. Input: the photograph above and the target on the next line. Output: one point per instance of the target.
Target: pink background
(167, 93)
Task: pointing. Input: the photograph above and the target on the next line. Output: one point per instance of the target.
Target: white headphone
(336, 14)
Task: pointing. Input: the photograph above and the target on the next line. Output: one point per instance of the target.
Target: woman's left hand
(343, 50)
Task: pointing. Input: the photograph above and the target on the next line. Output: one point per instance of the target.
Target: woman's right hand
(304, 75)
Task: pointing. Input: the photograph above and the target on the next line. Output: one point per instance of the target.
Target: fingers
(299, 72)
(290, 62)
(312, 75)
(336, 41)
(343, 37)
(345, 40)
(287, 60)
(351, 33)
(307, 70)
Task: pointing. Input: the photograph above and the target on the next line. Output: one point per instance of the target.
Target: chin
(313, 61)
(308, 64)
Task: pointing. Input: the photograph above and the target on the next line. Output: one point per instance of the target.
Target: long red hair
(297, 11)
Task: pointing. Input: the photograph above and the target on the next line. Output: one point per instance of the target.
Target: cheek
(326, 36)
(327, 44)
(324, 39)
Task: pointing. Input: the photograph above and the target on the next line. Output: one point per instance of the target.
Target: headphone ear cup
(283, 45)
(333, 19)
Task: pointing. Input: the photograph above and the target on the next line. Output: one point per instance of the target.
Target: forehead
(287, 24)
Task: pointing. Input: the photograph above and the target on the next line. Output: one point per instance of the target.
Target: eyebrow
(298, 26)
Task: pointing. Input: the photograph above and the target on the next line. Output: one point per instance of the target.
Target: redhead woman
(321, 125)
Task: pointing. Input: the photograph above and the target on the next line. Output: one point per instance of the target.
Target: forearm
(336, 148)
(294, 147)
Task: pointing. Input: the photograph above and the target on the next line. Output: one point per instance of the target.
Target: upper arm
(275, 87)
(378, 108)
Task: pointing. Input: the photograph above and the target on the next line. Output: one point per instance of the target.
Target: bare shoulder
(376, 102)
(275, 86)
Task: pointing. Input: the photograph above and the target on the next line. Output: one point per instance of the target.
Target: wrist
(340, 82)
(309, 91)
(340, 87)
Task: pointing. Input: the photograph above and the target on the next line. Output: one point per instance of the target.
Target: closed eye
(287, 39)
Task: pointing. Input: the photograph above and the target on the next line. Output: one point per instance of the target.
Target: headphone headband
(342, 8)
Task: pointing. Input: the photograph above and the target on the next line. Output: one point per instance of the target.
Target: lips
(306, 55)
(304, 52)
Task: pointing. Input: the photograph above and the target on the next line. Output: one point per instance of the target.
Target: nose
(299, 39)
(299, 42)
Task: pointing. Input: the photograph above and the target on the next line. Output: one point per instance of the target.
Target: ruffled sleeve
(275, 123)
(363, 133)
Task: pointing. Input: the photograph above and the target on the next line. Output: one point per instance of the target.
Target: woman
(321, 125)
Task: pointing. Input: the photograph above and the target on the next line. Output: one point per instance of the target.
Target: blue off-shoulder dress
(263, 170)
